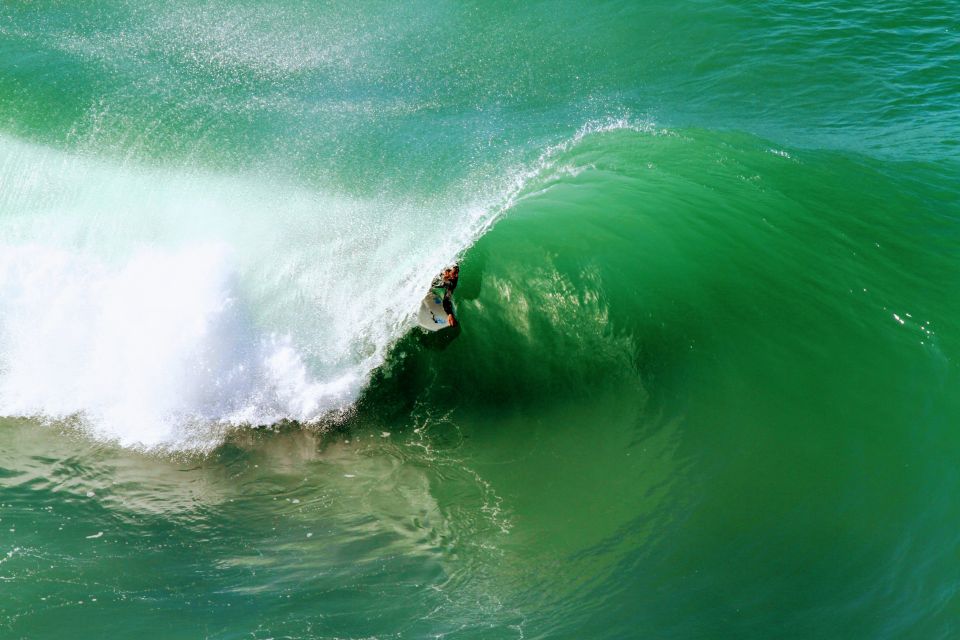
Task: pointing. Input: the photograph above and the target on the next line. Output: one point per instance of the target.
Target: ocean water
(706, 384)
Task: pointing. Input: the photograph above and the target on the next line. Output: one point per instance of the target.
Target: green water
(706, 382)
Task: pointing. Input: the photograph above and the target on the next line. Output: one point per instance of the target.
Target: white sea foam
(145, 349)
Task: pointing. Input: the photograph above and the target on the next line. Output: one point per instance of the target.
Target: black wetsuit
(448, 285)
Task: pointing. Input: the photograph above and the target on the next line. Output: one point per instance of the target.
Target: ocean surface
(706, 383)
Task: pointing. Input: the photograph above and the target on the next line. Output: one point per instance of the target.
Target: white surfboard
(431, 316)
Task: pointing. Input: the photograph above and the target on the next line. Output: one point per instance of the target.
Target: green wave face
(704, 384)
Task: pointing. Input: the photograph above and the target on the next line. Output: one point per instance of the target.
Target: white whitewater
(159, 306)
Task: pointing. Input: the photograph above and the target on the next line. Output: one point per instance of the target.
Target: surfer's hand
(451, 320)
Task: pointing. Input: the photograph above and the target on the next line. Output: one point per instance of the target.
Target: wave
(160, 307)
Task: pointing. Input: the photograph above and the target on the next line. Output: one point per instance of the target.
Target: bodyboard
(431, 316)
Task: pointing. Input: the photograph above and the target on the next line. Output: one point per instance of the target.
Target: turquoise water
(706, 383)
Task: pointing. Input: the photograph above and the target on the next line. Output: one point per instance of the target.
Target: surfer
(448, 282)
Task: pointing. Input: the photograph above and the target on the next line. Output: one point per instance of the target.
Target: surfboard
(431, 316)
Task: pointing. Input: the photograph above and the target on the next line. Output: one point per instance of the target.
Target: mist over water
(706, 380)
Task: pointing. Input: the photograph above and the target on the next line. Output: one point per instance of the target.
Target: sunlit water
(706, 381)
